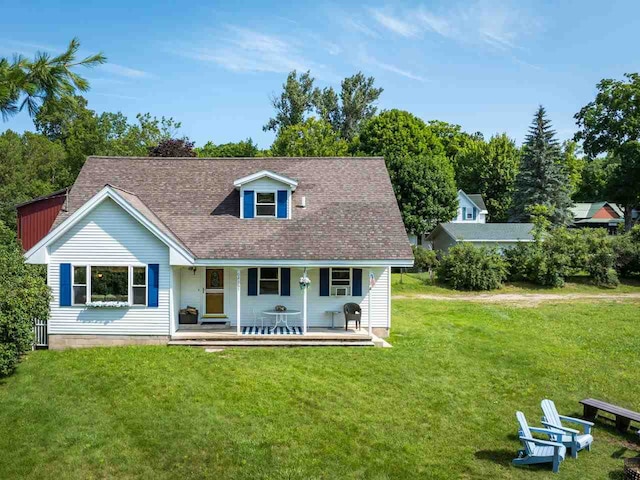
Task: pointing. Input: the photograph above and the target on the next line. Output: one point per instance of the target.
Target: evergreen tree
(542, 180)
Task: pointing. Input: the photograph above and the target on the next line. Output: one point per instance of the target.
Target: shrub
(562, 253)
(24, 296)
(600, 257)
(627, 253)
(425, 260)
(466, 267)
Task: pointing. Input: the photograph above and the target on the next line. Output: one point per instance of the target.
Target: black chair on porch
(352, 312)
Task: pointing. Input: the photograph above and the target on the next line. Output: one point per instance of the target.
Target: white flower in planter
(111, 304)
(304, 282)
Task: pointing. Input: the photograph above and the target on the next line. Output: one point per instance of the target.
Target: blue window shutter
(464, 213)
(357, 282)
(285, 282)
(252, 282)
(282, 204)
(65, 284)
(154, 284)
(248, 204)
(475, 212)
(324, 282)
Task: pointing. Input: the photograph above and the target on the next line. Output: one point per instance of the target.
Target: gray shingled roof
(351, 211)
(490, 232)
(478, 200)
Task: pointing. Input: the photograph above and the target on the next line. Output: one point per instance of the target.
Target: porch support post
(238, 290)
(304, 305)
(370, 279)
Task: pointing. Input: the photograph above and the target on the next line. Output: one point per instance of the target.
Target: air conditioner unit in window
(340, 291)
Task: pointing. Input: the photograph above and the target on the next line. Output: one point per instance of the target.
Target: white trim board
(265, 173)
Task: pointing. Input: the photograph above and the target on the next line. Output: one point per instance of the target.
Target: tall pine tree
(542, 180)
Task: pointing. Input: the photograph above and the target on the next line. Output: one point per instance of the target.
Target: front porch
(238, 303)
(226, 336)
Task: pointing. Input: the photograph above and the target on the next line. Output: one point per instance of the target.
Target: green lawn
(439, 405)
(412, 283)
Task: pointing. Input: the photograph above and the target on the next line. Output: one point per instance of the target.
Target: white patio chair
(258, 316)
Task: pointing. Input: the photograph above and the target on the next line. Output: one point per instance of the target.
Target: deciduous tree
(312, 138)
(611, 123)
(173, 147)
(489, 168)
(295, 101)
(243, 148)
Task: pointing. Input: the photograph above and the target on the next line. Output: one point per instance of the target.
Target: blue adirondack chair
(536, 450)
(569, 437)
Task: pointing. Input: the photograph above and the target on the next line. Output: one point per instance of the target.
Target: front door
(214, 291)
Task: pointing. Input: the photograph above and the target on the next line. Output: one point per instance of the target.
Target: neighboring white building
(230, 237)
(471, 209)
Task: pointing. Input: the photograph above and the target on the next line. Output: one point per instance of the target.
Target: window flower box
(108, 304)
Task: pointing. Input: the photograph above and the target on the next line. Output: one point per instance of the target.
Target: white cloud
(434, 23)
(374, 62)
(394, 24)
(246, 50)
(354, 24)
(494, 23)
(123, 71)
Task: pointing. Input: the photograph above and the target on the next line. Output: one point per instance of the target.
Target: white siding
(464, 202)
(192, 294)
(109, 236)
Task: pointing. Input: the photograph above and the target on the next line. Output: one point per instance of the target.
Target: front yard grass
(439, 405)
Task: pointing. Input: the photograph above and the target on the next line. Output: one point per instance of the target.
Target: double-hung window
(139, 286)
(269, 281)
(99, 283)
(341, 282)
(79, 285)
(265, 204)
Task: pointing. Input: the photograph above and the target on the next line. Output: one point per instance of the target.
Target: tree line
(427, 160)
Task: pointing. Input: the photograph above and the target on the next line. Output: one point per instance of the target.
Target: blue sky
(485, 65)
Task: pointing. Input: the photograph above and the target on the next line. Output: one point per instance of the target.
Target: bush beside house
(627, 253)
(24, 296)
(466, 267)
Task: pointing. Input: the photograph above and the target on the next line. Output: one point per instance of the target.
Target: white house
(143, 238)
(471, 209)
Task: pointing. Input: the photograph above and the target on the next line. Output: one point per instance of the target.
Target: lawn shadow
(501, 457)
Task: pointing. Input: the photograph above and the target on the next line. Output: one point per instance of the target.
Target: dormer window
(265, 204)
(265, 194)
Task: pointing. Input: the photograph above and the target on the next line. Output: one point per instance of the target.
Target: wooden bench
(623, 416)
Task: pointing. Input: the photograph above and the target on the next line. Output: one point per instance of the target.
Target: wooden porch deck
(216, 336)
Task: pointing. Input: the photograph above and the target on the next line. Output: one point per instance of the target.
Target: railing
(40, 331)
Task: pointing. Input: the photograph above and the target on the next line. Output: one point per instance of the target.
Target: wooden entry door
(214, 291)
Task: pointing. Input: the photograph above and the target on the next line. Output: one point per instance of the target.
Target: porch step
(271, 343)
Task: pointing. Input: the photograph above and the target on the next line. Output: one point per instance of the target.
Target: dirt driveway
(522, 299)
